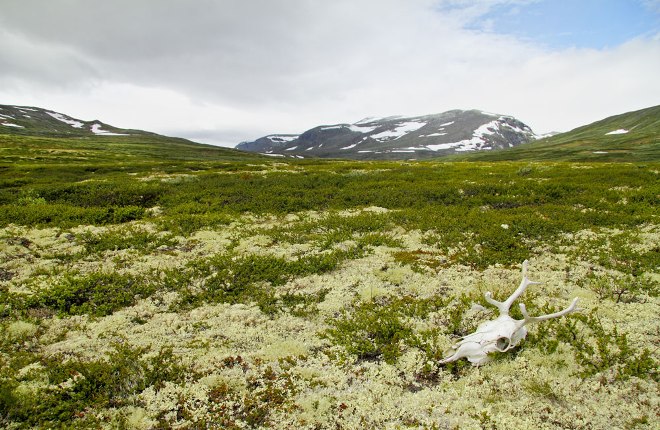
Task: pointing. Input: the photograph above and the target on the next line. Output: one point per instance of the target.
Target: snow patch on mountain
(371, 119)
(9, 124)
(400, 130)
(489, 113)
(478, 139)
(72, 122)
(96, 129)
(363, 130)
(619, 131)
(281, 138)
(450, 145)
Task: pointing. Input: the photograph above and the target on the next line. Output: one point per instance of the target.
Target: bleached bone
(504, 332)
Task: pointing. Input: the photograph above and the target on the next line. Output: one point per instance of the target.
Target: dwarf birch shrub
(125, 238)
(597, 350)
(623, 289)
(227, 278)
(370, 331)
(96, 294)
(65, 215)
(380, 329)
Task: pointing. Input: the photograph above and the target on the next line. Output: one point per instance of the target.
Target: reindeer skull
(502, 333)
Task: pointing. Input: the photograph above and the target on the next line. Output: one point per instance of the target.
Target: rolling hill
(32, 134)
(632, 136)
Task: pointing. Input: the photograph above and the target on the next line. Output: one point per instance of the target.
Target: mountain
(35, 121)
(43, 135)
(631, 136)
(398, 137)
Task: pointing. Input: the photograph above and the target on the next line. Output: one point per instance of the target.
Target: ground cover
(322, 294)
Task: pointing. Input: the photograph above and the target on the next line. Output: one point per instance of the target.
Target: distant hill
(398, 137)
(34, 121)
(38, 134)
(632, 136)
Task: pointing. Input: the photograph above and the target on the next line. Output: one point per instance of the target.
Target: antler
(504, 306)
(527, 319)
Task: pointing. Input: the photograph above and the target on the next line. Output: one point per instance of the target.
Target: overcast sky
(224, 71)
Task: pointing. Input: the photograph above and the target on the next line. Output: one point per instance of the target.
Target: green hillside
(35, 135)
(116, 150)
(592, 142)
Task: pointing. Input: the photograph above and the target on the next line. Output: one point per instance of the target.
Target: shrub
(96, 294)
(596, 349)
(252, 278)
(626, 288)
(125, 238)
(369, 332)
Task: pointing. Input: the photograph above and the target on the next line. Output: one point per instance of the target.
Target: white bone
(504, 332)
(527, 319)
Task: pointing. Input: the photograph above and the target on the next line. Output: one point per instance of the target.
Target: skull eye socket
(502, 344)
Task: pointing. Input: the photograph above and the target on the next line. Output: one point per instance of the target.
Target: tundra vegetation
(153, 291)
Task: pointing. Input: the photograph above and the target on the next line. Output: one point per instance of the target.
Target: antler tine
(506, 305)
(521, 288)
(499, 305)
(568, 310)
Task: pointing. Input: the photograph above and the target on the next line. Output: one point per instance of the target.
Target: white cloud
(225, 71)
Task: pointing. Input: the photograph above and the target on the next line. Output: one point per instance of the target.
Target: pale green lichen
(233, 354)
(19, 330)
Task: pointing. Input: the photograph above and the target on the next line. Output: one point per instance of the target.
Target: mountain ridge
(629, 136)
(398, 137)
(45, 136)
(32, 120)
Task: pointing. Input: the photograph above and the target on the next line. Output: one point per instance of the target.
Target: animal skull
(502, 333)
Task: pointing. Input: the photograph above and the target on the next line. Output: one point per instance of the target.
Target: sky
(225, 71)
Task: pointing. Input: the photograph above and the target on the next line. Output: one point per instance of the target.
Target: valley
(155, 283)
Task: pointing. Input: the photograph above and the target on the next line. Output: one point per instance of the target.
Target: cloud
(652, 5)
(225, 71)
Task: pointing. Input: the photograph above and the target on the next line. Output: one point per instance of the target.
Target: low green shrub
(80, 385)
(623, 289)
(227, 278)
(379, 329)
(596, 349)
(63, 215)
(370, 331)
(96, 294)
(125, 238)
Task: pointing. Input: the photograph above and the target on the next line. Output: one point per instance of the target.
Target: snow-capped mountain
(400, 137)
(30, 120)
